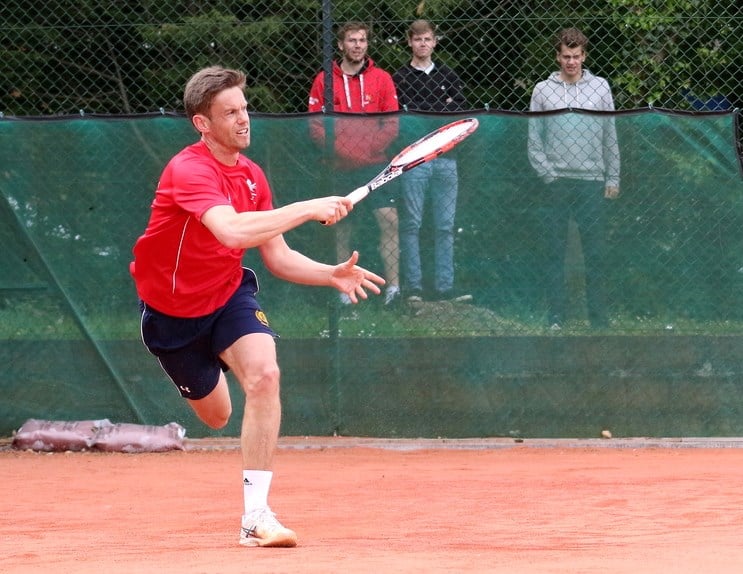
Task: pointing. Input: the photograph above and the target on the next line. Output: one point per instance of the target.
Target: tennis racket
(419, 152)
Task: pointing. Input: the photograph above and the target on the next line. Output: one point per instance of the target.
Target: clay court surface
(382, 507)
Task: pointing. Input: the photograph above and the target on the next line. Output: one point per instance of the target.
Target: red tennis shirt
(179, 267)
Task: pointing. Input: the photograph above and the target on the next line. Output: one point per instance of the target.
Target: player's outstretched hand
(355, 281)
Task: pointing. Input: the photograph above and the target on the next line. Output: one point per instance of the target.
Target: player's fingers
(335, 210)
(357, 293)
(352, 260)
(341, 211)
(373, 287)
(373, 277)
(361, 292)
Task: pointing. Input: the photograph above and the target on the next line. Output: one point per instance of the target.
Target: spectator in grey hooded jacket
(577, 156)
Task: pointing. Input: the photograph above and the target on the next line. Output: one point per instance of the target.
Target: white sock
(256, 484)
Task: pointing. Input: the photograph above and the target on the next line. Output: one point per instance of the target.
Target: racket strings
(437, 142)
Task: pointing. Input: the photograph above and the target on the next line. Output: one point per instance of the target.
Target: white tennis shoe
(391, 295)
(260, 528)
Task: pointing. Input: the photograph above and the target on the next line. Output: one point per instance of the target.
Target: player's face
(422, 45)
(354, 46)
(571, 63)
(228, 124)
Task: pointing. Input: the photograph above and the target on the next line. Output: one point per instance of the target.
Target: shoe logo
(246, 482)
(249, 532)
(184, 389)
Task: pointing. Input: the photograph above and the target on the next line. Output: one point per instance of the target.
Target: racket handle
(358, 194)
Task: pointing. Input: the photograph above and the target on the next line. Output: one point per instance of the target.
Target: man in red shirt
(200, 316)
(360, 144)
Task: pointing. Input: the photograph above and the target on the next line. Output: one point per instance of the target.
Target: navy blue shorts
(188, 348)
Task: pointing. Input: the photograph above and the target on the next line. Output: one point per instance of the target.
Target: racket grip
(358, 194)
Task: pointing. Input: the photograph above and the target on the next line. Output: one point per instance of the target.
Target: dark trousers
(584, 202)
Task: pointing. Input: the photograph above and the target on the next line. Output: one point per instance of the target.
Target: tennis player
(200, 316)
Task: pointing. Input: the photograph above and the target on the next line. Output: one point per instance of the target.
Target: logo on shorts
(261, 316)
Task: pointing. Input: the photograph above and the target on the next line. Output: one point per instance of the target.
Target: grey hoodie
(574, 145)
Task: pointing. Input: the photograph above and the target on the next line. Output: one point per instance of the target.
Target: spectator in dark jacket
(425, 85)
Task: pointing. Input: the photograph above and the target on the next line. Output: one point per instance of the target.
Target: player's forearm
(253, 228)
(293, 266)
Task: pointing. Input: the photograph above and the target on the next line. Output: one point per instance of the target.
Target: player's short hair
(420, 26)
(570, 38)
(205, 84)
(352, 27)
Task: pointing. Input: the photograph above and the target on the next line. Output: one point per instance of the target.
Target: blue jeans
(439, 179)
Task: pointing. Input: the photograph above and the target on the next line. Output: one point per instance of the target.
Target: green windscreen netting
(76, 193)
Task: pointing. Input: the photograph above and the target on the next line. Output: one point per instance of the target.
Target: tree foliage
(134, 56)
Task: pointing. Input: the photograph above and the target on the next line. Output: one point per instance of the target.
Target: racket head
(434, 144)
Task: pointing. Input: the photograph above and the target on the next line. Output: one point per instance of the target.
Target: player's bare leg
(215, 409)
(252, 359)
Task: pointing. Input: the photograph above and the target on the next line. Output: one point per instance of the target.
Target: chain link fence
(134, 56)
(75, 195)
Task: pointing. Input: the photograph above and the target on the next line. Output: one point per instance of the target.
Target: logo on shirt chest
(252, 189)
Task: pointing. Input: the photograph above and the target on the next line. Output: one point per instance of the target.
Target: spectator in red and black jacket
(360, 144)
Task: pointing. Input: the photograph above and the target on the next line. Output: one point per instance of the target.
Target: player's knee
(212, 414)
(216, 420)
(264, 383)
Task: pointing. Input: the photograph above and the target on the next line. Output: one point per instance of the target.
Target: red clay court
(383, 506)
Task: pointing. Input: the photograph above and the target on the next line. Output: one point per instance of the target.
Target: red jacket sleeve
(388, 94)
(316, 100)
(315, 104)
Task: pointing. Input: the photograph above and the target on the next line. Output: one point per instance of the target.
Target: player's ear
(200, 122)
